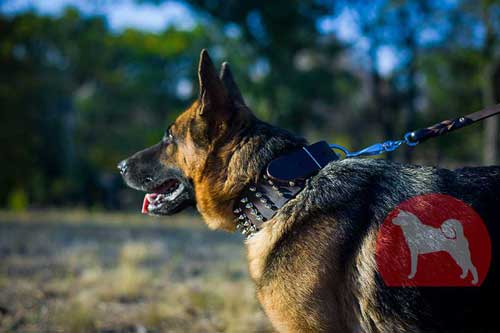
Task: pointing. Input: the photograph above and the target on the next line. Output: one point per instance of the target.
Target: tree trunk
(490, 151)
(411, 46)
(378, 99)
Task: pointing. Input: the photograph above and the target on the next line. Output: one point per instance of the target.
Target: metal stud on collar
(250, 209)
(244, 225)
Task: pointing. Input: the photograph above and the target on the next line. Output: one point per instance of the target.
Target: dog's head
(404, 218)
(200, 158)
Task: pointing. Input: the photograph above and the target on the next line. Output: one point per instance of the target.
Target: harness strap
(301, 163)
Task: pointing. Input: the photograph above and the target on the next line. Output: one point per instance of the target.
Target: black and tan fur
(314, 262)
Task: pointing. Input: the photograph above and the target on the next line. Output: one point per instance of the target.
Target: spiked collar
(280, 181)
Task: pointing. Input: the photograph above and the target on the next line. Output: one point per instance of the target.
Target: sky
(345, 28)
(122, 14)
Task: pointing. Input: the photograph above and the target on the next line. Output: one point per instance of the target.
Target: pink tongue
(147, 200)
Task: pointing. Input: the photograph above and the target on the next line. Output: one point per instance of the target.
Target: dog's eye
(168, 137)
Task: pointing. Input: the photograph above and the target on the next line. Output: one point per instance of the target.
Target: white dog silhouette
(423, 239)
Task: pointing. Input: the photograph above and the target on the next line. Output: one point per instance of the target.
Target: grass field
(88, 272)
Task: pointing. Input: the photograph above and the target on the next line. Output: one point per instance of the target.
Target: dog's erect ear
(213, 94)
(232, 88)
(403, 213)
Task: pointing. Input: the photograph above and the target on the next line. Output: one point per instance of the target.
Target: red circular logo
(433, 240)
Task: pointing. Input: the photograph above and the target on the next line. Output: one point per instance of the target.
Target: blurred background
(85, 83)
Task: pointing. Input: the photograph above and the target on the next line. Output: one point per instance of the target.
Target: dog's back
(335, 222)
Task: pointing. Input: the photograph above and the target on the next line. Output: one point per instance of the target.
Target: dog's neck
(263, 168)
(232, 167)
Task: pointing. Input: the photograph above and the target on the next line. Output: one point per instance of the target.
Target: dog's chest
(296, 283)
(260, 246)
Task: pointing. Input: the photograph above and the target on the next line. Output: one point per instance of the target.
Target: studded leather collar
(279, 182)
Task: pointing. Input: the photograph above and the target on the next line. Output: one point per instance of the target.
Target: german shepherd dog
(314, 262)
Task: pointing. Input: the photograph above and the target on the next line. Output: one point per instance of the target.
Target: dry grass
(89, 272)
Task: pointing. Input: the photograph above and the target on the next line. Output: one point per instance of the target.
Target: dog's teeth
(155, 204)
(152, 197)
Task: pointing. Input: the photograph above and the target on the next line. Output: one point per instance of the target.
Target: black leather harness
(280, 182)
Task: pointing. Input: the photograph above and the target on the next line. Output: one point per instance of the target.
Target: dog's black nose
(122, 166)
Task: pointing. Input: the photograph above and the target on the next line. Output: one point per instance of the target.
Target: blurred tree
(293, 67)
(459, 76)
(383, 97)
(79, 98)
(423, 35)
(489, 14)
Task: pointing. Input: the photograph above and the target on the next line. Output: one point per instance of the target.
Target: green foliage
(17, 200)
(79, 98)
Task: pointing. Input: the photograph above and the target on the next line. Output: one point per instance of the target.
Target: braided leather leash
(423, 134)
(446, 126)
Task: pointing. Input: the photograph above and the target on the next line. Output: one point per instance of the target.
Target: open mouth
(162, 197)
